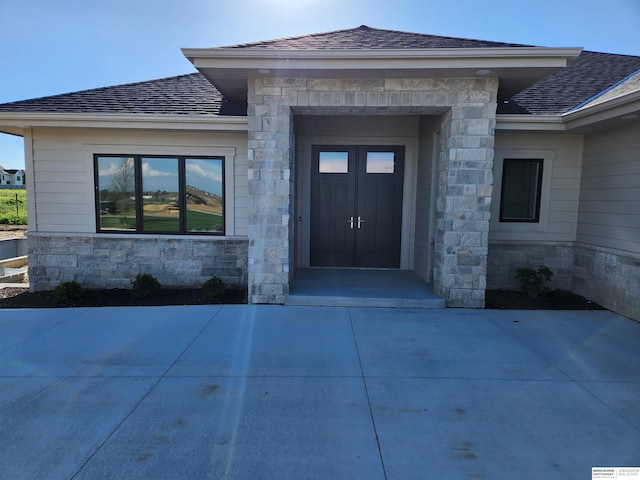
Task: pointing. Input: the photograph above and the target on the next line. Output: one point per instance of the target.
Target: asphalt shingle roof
(584, 77)
(629, 85)
(182, 95)
(365, 37)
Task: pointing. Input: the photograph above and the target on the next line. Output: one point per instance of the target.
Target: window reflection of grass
(196, 222)
(154, 223)
(118, 222)
(203, 221)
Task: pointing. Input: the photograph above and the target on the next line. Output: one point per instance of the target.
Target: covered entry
(356, 206)
(355, 191)
(361, 238)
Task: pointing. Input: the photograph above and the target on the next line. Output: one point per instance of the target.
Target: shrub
(145, 285)
(213, 288)
(67, 292)
(14, 220)
(533, 282)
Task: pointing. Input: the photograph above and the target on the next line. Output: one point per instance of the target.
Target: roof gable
(364, 37)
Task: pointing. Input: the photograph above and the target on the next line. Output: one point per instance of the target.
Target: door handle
(360, 222)
(350, 222)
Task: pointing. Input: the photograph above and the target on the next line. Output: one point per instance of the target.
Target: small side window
(521, 187)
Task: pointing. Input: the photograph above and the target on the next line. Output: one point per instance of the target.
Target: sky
(49, 47)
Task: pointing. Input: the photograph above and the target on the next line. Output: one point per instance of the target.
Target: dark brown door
(356, 206)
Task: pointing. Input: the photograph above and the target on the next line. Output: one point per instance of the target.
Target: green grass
(8, 213)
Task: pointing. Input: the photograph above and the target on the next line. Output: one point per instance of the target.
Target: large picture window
(157, 194)
(521, 187)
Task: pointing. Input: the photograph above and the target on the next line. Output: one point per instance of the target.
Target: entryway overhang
(517, 67)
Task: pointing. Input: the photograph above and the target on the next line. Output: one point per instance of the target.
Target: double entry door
(356, 206)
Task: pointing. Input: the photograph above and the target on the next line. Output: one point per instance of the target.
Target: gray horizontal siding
(560, 189)
(63, 177)
(609, 211)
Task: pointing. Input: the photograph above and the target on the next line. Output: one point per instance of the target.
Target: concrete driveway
(267, 392)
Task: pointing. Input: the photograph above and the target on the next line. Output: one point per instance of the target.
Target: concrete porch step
(351, 301)
(361, 288)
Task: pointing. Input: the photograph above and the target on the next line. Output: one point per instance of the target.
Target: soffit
(517, 67)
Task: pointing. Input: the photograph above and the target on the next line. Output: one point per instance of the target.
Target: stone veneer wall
(465, 170)
(608, 277)
(112, 261)
(507, 256)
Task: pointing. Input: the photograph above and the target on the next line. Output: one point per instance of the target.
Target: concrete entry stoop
(345, 287)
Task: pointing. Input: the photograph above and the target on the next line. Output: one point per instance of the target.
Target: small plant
(534, 282)
(213, 288)
(67, 292)
(145, 285)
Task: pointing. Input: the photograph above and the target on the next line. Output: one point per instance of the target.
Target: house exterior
(14, 178)
(459, 159)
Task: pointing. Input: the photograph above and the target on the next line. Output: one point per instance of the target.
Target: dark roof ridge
(368, 29)
(307, 35)
(467, 39)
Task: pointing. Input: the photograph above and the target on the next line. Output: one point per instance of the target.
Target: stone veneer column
(465, 187)
(464, 184)
(270, 191)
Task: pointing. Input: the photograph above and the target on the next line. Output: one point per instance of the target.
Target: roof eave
(257, 54)
(529, 123)
(228, 69)
(612, 110)
(616, 111)
(14, 123)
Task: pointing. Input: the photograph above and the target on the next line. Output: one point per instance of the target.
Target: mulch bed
(19, 297)
(13, 297)
(553, 300)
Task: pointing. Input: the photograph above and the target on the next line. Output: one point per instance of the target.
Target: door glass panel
(334, 162)
(160, 195)
(381, 162)
(204, 192)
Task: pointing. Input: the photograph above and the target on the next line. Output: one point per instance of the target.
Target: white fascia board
(16, 121)
(535, 123)
(616, 107)
(433, 58)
